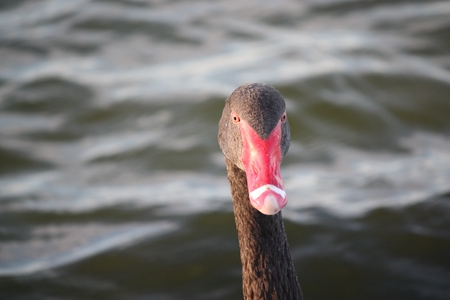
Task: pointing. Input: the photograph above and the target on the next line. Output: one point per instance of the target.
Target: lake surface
(112, 184)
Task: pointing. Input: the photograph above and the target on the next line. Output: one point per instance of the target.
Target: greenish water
(112, 185)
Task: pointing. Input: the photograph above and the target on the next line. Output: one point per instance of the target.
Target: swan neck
(267, 268)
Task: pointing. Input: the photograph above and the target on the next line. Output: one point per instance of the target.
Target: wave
(62, 245)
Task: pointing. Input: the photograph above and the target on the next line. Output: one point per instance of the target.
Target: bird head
(254, 135)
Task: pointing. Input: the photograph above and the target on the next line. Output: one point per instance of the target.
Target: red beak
(262, 160)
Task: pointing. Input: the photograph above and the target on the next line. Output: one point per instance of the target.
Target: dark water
(112, 185)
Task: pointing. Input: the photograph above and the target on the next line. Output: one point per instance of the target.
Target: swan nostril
(254, 169)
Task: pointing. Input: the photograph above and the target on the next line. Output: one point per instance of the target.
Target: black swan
(254, 137)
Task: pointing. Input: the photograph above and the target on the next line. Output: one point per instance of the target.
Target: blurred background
(112, 184)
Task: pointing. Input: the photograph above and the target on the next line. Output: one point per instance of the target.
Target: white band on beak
(256, 193)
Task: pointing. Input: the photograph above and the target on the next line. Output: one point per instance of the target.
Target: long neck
(267, 268)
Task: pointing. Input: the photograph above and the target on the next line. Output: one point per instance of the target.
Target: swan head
(254, 135)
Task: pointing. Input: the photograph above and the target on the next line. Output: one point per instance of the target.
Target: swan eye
(236, 119)
(283, 118)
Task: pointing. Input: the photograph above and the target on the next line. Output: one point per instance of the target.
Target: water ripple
(57, 246)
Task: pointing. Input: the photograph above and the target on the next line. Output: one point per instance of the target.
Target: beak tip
(269, 204)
